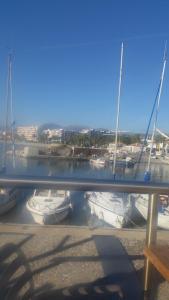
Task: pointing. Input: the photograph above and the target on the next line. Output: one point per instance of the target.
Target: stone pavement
(63, 262)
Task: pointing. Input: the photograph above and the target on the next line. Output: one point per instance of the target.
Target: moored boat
(49, 206)
(141, 203)
(98, 161)
(126, 162)
(112, 208)
(8, 199)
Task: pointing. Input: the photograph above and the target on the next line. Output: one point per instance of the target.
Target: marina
(84, 150)
(81, 213)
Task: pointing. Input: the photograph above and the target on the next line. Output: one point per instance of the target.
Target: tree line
(99, 140)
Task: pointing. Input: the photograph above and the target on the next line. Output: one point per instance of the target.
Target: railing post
(151, 236)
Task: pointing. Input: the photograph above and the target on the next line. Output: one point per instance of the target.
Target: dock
(64, 262)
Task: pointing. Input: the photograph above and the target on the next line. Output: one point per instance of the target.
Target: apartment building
(28, 132)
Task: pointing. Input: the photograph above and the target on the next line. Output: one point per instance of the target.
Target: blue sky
(66, 60)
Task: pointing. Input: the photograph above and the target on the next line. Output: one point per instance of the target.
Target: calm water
(83, 169)
(79, 169)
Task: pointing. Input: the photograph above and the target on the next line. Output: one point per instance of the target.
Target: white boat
(98, 161)
(126, 162)
(8, 199)
(113, 208)
(49, 206)
(141, 203)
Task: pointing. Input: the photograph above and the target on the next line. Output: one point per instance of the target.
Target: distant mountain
(76, 127)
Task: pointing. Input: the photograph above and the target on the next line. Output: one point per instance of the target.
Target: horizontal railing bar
(83, 184)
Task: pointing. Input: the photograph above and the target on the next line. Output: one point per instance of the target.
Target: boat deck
(60, 262)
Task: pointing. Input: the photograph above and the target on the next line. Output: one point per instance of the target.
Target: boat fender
(147, 176)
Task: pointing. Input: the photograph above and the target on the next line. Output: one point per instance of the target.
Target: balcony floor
(61, 262)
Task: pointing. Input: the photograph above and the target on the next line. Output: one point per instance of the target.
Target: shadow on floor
(120, 281)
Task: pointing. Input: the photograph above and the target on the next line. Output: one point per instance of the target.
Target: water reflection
(83, 169)
(65, 168)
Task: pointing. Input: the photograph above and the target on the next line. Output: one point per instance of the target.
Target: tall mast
(9, 123)
(118, 112)
(11, 113)
(156, 114)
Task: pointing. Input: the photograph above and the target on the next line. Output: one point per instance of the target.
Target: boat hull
(107, 216)
(45, 219)
(124, 163)
(113, 211)
(163, 220)
(5, 207)
(9, 200)
(98, 162)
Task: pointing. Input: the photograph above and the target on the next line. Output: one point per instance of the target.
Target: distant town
(80, 136)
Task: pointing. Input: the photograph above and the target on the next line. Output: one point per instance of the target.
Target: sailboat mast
(157, 110)
(7, 113)
(9, 130)
(118, 111)
(11, 111)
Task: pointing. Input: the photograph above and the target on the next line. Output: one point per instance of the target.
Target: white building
(111, 147)
(85, 131)
(28, 132)
(54, 134)
(132, 148)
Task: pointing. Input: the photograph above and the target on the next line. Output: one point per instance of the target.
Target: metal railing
(153, 189)
(84, 184)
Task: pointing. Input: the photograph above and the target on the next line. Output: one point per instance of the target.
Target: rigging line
(157, 111)
(147, 131)
(157, 98)
(165, 51)
(118, 112)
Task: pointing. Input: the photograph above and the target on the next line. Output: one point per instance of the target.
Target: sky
(66, 57)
